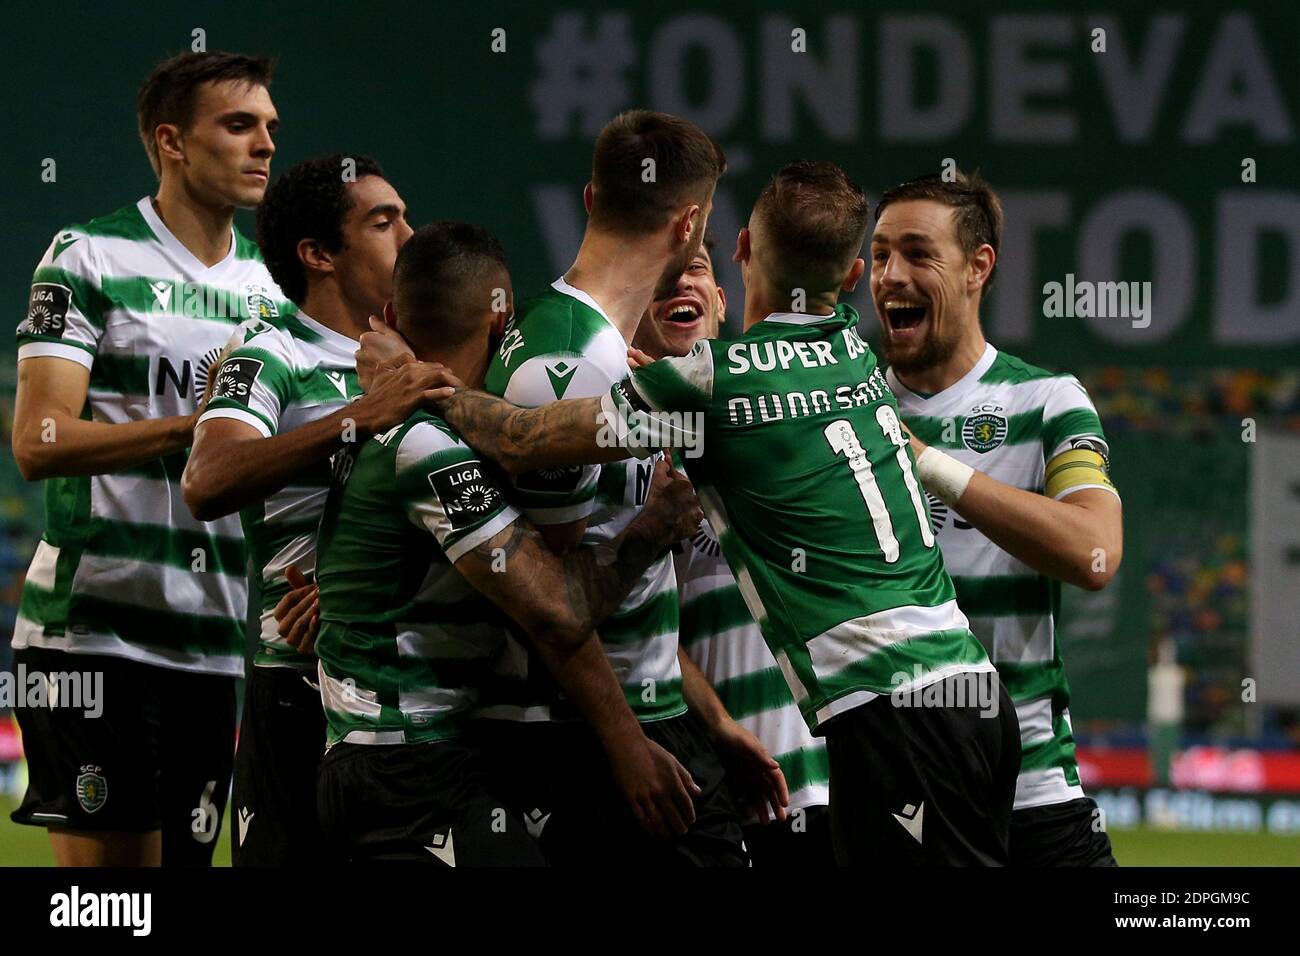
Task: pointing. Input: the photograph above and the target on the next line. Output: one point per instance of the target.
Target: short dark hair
(687, 166)
(814, 220)
(435, 272)
(171, 90)
(309, 200)
(978, 219)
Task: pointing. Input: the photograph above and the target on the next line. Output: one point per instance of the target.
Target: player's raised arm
(1074, 532)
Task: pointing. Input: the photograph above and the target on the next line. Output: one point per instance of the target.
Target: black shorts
(555, 776)
(801, 843)
(923, 785)
(416, 803)
(1061, 834)
(281, 741)
(158, 757)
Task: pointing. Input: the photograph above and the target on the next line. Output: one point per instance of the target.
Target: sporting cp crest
(92, 788)
(985, 429)
(260, 305)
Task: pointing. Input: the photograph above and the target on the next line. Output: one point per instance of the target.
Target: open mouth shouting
(681, 313)
(904, 318)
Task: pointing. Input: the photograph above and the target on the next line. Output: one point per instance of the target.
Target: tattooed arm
(559, 599)
(520, 440)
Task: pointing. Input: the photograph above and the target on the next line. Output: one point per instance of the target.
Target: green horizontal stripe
(124, 223)
(655, 617)
(141, 627)
(757, 693)
(709, 614)
(193, 300)
(877, 672)
(805, 767)
(1011, 370)
(1077, 421)
(1026, 682)
(123, 374)
(87, 296)
(159, 544)
(28, 338)
(1003, 595)
(1022, 428)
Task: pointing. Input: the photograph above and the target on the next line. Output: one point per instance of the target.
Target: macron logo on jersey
(911, 819)
(561, 375)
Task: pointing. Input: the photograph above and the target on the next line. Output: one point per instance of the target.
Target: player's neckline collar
(559, 285)
(798, 318)
(178, 248)
(337, 339)
(957, 388)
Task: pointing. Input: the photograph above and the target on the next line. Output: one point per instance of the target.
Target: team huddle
(564, 580)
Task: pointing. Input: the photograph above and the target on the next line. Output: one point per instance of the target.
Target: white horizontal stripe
(1035, 718)
(528, 715)
(293, 501)
(301, 551)
(573, 512)
(1071, 490)
(852, 641)
(160, 587)
(239, 415)
(1017, 639)
(55, 350)
(431, 701)
(28, 633)
(374, 737)
(478, 536)
(350, 698)
(1040, 788)
(138, 500)
(432, 642)
(44, 561)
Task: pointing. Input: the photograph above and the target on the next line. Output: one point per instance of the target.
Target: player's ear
(587, 193)
(855, 273)
(390, 315)
(742, 246)
(314, 256)
(687, 222)
(981, 264)
(722, 305)
(169, 142)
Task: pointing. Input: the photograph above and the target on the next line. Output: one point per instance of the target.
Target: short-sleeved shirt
(1007, 419)
(562, 345)
(123, 568)
(803, 471)
(404, 638)
(277, 379)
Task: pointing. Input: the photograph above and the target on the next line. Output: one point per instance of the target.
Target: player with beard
(802, 466)
(732, 681)
(571, 342)
(1022, 499)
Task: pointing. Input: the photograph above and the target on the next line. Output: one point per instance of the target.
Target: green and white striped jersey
(720, 635)
(1007, 418)
(404, 638)
(275, 380)
(561, 345)
(123, 568)
(804, 472)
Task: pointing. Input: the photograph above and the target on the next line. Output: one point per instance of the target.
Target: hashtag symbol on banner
(582, 73)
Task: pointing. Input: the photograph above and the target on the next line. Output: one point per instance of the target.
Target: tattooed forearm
(525, 439)
(501, 547)
(599, 576)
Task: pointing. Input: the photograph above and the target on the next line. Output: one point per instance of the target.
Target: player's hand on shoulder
(671, 506)
(395, 394)
(382, 350)
(658, 789)
(297, 616)
(637, 359)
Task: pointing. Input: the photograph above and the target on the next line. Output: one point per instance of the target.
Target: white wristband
(942, 475)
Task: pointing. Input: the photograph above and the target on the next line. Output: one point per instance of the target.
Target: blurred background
(1128, 145)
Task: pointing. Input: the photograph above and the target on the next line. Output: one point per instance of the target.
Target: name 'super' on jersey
(793, 442)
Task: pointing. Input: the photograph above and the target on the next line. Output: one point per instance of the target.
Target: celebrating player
(730, 678)
(1023, 498)
(127, 314)
(421, 560)
(572, 341)
(792, 439)
(329, 229)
